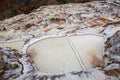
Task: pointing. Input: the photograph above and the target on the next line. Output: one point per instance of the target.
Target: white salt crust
(69, 30)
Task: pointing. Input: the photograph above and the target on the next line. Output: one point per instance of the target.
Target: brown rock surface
(10, 8)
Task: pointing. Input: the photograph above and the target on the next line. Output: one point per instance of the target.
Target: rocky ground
(10, 8)
(96, 18)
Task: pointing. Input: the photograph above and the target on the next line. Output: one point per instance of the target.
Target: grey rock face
(112, 56)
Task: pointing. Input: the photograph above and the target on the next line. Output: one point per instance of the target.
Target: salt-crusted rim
(24, 49)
